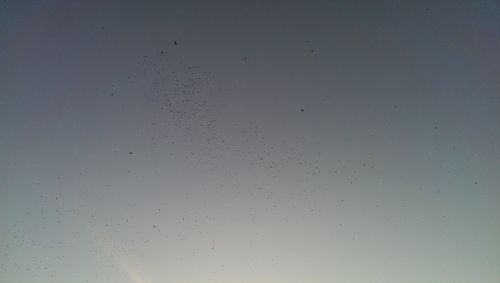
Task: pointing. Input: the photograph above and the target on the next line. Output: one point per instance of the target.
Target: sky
(249, 141)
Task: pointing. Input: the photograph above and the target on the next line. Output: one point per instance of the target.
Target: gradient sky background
(249, 141)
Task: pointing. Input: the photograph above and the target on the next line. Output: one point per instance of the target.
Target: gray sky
(249, 141)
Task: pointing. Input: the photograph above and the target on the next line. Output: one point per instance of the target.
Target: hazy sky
(250, 141)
